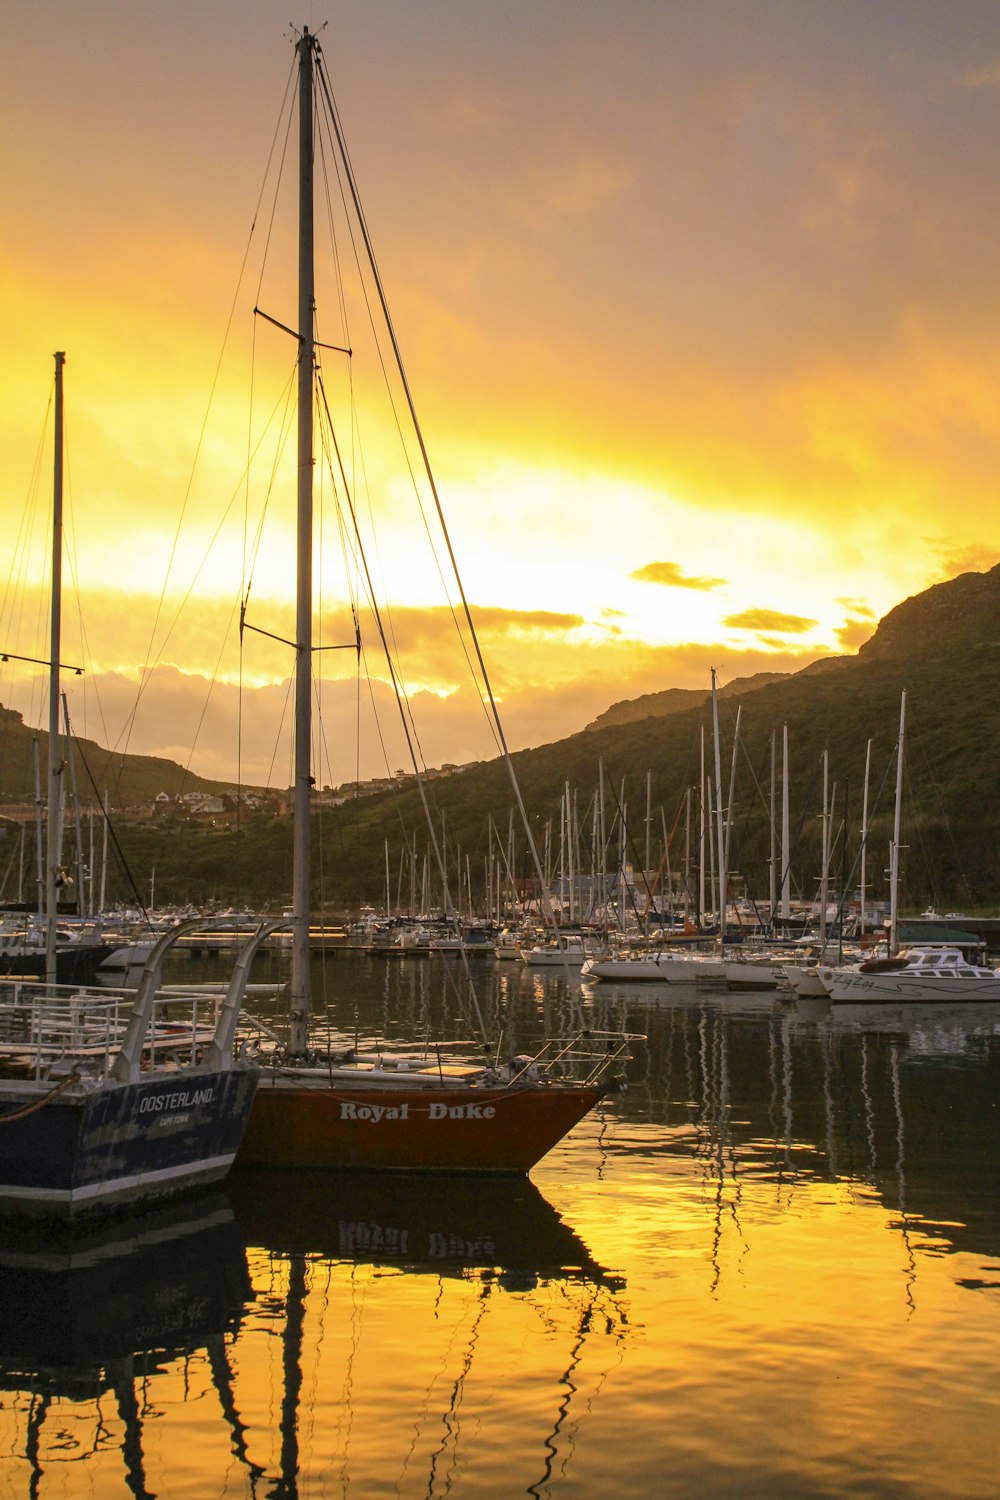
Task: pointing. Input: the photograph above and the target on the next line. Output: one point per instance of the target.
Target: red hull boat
(377, 1112)
(503, 1129)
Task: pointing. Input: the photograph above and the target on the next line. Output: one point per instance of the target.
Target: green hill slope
(942, 646)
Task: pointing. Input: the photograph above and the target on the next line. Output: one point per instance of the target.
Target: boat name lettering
(438, 1111)
(181, 1099)
(374, 1112)
(349, 1110)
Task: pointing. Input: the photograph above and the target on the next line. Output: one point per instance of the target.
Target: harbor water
(770, 1266)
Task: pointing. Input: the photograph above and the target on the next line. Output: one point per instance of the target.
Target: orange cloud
(854, 633)
(770, 619)
(974, 558)
(544, 696)
(857, 608)
(987, 77)
(672, 576)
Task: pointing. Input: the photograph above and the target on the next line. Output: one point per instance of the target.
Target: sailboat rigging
(346, 1109)
(107, 1097)
(40, 949)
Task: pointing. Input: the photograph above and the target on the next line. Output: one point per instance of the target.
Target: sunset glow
(696, 305)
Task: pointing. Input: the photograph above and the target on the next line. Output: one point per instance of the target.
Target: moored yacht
(661, 966)
(927, 973)
(109, 1096)
(320, 1105)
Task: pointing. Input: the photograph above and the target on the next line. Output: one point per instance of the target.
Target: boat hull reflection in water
(413, 1222)
(88, 1321)
(780, 1200)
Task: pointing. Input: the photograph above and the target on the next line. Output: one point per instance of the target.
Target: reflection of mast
(449, 1418)
(287, 1486)
(541, 1484)
(36, 1416)
(122, 1378)
(869, 1105)
(897, 1100)
(786, 1093)
(831, 1141)
(717, 1147)
(222, 1379)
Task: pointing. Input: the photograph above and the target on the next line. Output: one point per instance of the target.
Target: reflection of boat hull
(753, 974)
(492, 1130)
(88, 1148)
(411, 1221)
(165, 1281)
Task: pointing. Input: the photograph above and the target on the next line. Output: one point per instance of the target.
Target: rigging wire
(147, 669)
(334, 121)
(496, 725)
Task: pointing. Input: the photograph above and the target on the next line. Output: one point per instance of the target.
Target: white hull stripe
(215, 1166)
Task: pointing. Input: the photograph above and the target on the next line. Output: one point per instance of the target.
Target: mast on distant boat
(897, 819)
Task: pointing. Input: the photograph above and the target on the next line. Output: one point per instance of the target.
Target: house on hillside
(206, 805)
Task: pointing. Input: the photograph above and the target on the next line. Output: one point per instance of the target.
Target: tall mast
(52, 831)
(299, 997)
(772, 863)
(894, 851)
(786, 839)
(825, 854)
(702, 861)
(864, 839)
(719, 818)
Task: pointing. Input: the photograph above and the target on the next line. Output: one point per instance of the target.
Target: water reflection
(331, 1249)
(88, 1318)
(500, 1229)
(899, 1099)
(298, 1304)
(789, 1210)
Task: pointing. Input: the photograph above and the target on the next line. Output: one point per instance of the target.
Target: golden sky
(696, 300)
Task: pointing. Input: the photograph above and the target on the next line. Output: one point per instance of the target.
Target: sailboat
(41, 948)
(354, 1111)
(106, 1096)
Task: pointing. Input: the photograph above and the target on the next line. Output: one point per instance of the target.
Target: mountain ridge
(942, 647)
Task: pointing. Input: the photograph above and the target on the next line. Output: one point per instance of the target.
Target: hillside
(942, 646)
(678, 700)
(129, 779)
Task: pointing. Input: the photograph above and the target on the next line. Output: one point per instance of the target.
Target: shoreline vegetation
(205, 841)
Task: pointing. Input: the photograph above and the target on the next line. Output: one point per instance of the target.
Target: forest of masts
(608, 865)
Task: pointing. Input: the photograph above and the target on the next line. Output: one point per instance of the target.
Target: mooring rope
(20, 1114)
